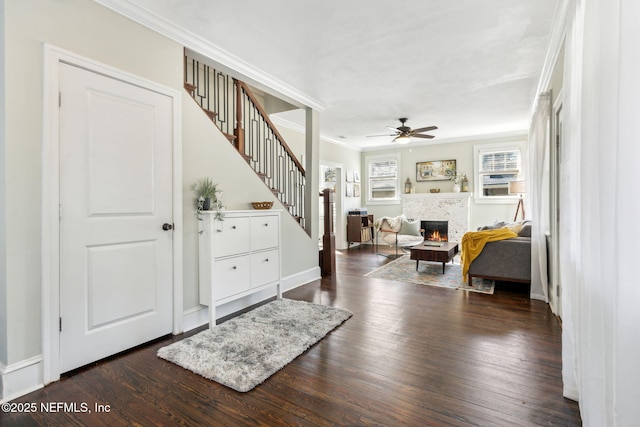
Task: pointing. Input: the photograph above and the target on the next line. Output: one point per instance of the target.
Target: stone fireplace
(454, 208)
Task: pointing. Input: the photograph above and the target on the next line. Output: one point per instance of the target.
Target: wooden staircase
(191, 89)
(230, 104)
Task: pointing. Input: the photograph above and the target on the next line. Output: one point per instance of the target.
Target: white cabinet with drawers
(239, 255)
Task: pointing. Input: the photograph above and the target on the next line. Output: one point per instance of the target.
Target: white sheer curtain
(538, 194)
(600, 235)
(569, 227)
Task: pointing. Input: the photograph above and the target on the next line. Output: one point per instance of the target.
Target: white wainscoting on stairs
(452, 207)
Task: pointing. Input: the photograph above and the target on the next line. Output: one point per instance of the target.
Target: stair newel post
(239, 130)
(328, 265)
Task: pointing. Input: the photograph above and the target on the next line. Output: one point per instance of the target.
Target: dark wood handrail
(265, 116)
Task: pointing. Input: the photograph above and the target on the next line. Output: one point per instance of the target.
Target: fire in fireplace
(437, 231)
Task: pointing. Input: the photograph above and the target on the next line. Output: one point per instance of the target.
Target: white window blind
(504, 161)
(496, 166)
(383, 179)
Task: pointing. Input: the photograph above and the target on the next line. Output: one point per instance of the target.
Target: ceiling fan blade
(423, 136)
(427, 129)
(393, 129)
(373, 136)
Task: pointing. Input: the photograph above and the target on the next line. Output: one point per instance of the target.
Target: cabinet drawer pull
(266, 224)
(234, 268)
(266, 260)
(233, 227)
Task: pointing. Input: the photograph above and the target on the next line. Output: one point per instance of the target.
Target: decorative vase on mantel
(456, 188)
(465, 185)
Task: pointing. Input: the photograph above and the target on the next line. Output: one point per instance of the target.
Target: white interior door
(116, 274)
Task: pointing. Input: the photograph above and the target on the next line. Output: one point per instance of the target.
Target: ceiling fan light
(403, 139)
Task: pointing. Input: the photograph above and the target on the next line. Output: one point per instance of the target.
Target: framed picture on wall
(356, 176)
(349, 190)
(437, 170)
(356, 190)
(349, 177)
(327, 177)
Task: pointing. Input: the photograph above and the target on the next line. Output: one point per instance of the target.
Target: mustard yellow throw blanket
(473, 242)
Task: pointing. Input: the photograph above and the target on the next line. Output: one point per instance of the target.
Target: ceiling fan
(403, 134)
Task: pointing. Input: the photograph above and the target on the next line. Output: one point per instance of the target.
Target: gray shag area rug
(246, 350)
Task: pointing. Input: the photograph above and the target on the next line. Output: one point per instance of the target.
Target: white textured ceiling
(470, 67)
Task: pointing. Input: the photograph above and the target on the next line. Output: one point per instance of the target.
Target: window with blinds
(496, 167)
(501, 162)
(383, 178)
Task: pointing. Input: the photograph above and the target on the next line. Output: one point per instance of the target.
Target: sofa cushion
(495, 225)
(522, 229)
(525, 231)
(514, 226)
(411, 228)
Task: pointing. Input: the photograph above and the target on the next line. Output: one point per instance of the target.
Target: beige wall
(88, 29)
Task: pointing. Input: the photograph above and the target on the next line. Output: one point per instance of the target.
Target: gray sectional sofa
(508, 260)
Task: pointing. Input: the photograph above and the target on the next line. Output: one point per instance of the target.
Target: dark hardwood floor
(410, 355)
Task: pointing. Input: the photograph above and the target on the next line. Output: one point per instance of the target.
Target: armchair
(398, 232)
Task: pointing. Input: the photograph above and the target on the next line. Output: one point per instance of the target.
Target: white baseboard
(539, 297)
(21, 378)
(571, 393)
(199, 316)
(195, 318)
(301, 278)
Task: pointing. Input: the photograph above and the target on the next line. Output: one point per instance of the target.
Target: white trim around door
(53, 56)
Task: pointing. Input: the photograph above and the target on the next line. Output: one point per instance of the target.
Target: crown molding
(194, 42)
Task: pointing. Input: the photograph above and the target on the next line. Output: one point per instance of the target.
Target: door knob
(166, 226)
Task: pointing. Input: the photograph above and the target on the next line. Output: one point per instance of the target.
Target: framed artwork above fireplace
(437, 170)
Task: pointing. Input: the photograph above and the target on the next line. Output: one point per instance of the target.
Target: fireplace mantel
(418, 196)
(452, 207)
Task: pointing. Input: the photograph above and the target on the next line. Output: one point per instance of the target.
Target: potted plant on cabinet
(206, 196)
